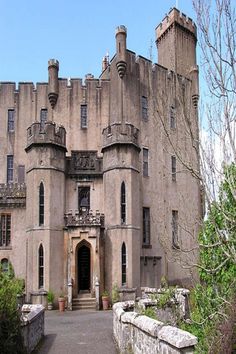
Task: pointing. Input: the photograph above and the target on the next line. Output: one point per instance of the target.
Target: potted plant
(105, 300)
(50, 298)
(61, 302)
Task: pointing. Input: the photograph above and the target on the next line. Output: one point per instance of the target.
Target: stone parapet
(49, 134)
(140, 334)
(32, 327)
(120, 134)
(178, 18)
(12, 195)
(77, 219)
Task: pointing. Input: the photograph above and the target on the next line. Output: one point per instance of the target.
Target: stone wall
(32, 326)
(142, 335)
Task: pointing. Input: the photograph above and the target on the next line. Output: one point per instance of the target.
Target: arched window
(41, 204)
(41, 266)
(123, 203)
(123, 264)
(4, 265)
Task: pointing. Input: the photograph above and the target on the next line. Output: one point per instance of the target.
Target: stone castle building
(98, 176)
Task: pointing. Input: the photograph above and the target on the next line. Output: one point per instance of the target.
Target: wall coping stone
(148, 325)
(177, 337)
(168, 334)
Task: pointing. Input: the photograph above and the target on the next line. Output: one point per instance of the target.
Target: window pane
(41, 266)
(84, 199)
(5, 230)
(83, 115)
(41, 204)
(123, 203)
(11, 120)
(173, 168)
(123, 264)
(146, 226)
(144, 108)
(145, 162)
(9, 168)
(175, 236)
(43, 118)
(4, 265)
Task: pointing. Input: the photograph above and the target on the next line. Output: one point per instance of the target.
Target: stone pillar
(97, 291)
(70, 286)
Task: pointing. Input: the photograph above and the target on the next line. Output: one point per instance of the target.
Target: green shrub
(10, 325)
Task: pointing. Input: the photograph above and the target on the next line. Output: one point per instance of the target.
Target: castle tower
(176, 39)
(121, 178)
(45, 208)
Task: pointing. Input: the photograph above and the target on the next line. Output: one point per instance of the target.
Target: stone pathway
(78, 332)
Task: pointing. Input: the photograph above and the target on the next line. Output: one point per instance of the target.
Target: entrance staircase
(84, 301)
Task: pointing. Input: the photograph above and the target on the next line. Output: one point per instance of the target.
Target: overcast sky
(77, 33)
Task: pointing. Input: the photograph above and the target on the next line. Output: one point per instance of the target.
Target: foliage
(105, 293)
(115, 294)
(211, 299)
(50, 296)
(166, 298)
(150, 312)
(10, 325)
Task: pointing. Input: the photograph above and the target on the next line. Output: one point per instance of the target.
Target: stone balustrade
(32, 327)
(12, 195)
(84, 219)
(140, 334)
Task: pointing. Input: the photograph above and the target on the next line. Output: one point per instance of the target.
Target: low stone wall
(32, 325)
(142, 335)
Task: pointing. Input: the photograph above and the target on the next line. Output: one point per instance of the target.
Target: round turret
(53, 86)
(121, 34)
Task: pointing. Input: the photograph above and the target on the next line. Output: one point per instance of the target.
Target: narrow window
(5, 230)
(11, 120)
(144, 103)
(83, 116)
(4, 265)
(43, 118)
(9, 168)
(145, 162)
(172, 117)
(175, 236)
(41, 266)
(146, 226)
(123, 264)
(173, 168)
(41, 204)
(21, 174)
(84, 200)
(123, 203)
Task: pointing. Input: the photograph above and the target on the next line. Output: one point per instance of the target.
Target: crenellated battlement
(12, 195)
(176, 17)
(118, 133)
(51, 133)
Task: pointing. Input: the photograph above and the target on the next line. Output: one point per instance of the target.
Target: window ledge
(146, 246)
(7, 248)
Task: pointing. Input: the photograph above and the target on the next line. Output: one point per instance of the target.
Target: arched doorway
(84, 268)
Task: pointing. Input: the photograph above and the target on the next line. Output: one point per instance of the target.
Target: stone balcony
(118, 133)
(12, 195)
(49, 134)
(77, 219)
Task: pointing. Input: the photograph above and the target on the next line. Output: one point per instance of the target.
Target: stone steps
(84, 303)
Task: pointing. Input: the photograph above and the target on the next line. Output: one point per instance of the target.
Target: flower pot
(61, 302)
(105, 302)
(50, 306)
